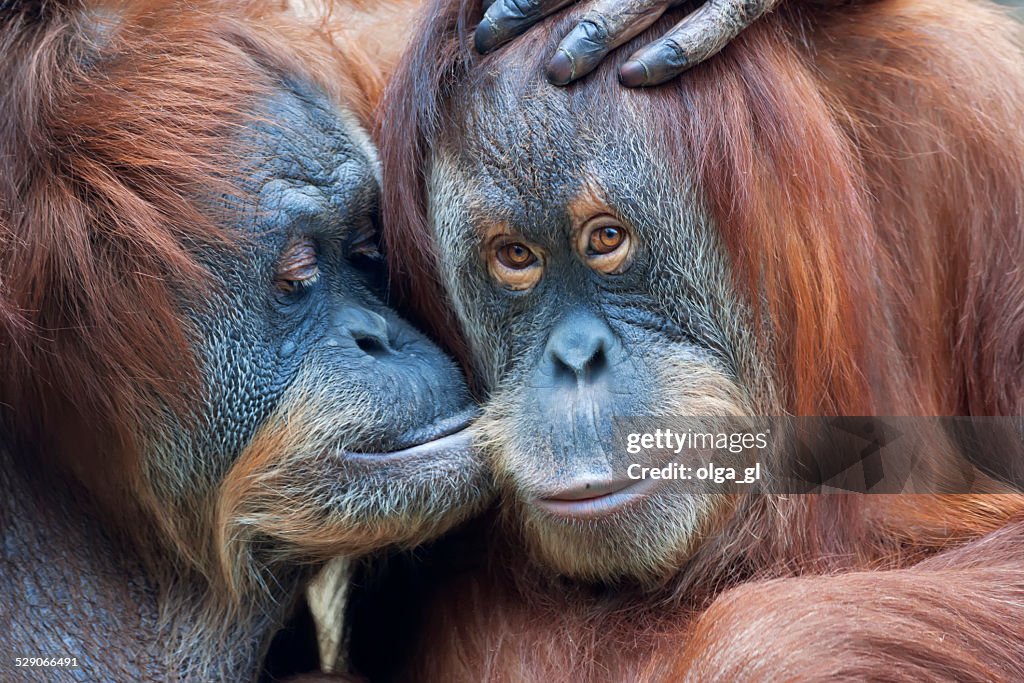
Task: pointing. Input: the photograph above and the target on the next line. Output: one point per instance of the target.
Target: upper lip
(460, 441)
(592, 498)
(589, 490)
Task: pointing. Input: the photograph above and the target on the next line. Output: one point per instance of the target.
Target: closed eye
(298, 267)
(366, 252)
(365, 255)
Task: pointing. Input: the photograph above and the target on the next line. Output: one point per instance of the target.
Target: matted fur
(107, 164)
(120, 118)
(864, 164)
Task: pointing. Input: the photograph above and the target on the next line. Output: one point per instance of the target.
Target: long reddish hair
(117, 122)
(864, 164)
(869, 190)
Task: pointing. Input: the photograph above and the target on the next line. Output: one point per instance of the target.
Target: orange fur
(865, 166)
(98, 175)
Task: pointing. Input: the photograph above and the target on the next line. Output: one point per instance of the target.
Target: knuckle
(740, 13)
(595, 27)
(750, 9)
(522, 9)
(727, 18)
(672, 53)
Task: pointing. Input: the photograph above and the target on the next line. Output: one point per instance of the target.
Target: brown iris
(606, 239)
(516, 255)
(605, 245)
(514, 263)
(298, 266)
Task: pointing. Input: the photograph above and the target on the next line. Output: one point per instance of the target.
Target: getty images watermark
(675, 442)
(793, 455)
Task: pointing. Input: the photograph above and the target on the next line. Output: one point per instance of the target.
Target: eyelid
(299, 262)
(499, 240)
(366, 244)
(297, 257)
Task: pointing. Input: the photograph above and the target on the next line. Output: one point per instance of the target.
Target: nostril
(372, 346)
(597, 365)
(579, 350)
(583, 366)
(369, 330)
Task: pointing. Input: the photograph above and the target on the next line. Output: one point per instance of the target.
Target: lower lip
(592, 508)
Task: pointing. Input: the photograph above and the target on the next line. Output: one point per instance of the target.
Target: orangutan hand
(610, 23)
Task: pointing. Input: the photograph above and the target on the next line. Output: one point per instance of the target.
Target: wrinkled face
(594, 290)
(334, 424)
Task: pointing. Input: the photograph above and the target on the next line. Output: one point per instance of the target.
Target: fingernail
(633, 73)
(561, 68)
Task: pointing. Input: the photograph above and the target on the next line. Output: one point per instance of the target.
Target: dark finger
(506, 19)
(691, 41)
(607, 25)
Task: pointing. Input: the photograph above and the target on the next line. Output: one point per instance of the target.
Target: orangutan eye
(365, 254)
(298, 267)
(606, 239)
(514, 264)
(516, 255)
(605, 245)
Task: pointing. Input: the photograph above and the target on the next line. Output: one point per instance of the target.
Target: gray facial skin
(565, 359)
(323, 425)
(313, 175)
(340, 373)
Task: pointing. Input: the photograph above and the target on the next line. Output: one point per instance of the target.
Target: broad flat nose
(368, 329)
(578, 348)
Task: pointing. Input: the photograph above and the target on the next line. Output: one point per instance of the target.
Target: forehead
(304, 155)
(519, 147)
(524, 152)
(512, 128)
